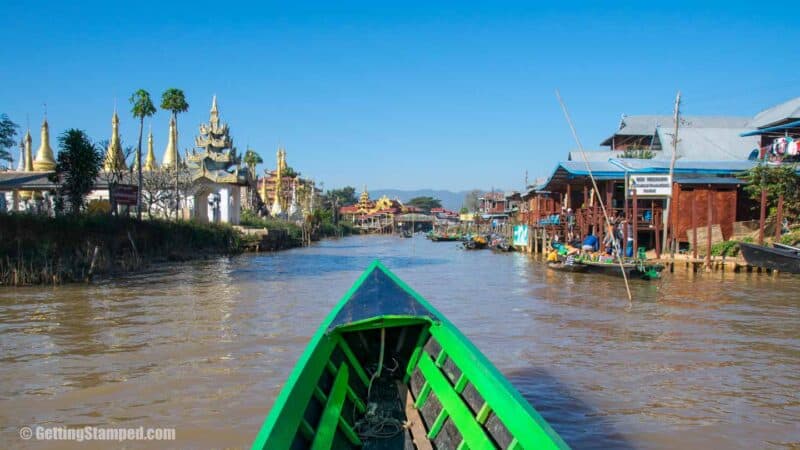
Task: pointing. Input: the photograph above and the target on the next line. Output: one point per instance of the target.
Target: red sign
(125, 194)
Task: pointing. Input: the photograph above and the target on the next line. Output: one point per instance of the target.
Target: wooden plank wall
(724, 203)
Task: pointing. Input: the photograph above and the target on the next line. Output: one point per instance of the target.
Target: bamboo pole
(635, 224)
(779, 219)
(763, 218)
(710, 219)
(694, 226)
(655, 223)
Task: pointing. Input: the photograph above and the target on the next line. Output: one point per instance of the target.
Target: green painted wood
(351, 394)
(412, 362)
(443, 415)
(348, 431)
(459, 413)
(519, 417)
(424, 392)
(463, 445)
(483, 413)
(387, 321)
(514, 445)
(306, 430)
(283, 422)
(284, 418)
(351, 358)
(329, 422)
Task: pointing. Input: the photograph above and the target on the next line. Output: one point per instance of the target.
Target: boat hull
(771, 258)
(562, 267)
(385, 358)
(632, 271)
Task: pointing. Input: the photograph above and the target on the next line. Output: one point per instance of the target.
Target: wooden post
(673, 231)
(655, 223)
(625, 228)
(779, 219)
(585, 196)
(710, 218)
(635, 224)
(694, 226)
(568, 201)
(763, 217)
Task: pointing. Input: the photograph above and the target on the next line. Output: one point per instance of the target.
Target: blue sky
(427, 95)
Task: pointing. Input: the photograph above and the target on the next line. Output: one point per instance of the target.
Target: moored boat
(632, 270)
(476, 243)
(564, 267)
(771, 258)
(386, 370)
(786, 247)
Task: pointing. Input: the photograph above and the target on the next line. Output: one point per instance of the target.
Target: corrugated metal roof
(646, 125)
(705, 144)
(787, 110)
(593, 155)
(709, 180)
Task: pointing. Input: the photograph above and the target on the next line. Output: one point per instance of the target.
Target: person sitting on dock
(590, 243)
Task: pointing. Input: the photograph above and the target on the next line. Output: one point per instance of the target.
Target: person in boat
(552, 256)
(590, 243)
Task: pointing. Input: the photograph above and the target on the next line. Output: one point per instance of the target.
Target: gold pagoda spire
(171, 156)
(115, 161)
(28, 167)
(277, 204)
(150, 161)
(44, 161)
(27, 163)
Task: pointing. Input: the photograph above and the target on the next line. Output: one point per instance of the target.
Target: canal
(696, 361)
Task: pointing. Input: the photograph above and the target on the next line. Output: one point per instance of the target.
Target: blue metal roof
(785, 126)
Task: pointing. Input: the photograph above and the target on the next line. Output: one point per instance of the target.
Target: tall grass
(35, 249)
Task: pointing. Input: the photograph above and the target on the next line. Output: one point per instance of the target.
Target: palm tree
(174, 101)
(142, 107)
(251, 159)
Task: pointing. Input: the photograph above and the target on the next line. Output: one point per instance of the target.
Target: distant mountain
(450, 200)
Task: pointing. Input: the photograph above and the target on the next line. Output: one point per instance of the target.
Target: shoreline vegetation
(41, 250)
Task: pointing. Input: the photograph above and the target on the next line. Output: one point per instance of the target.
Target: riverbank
(55, 250)
(44, 250)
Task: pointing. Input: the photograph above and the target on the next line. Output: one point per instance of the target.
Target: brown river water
(696, 361)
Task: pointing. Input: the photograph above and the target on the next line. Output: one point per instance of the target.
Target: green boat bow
(385, 370)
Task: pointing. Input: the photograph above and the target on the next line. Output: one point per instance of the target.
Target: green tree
(77, 166)
(425, 203)
(471, 200)
(142, 106)
(777, 180)
(8, 130)
(251, 160)
(290, 172)
(174, 100)
(342, 197)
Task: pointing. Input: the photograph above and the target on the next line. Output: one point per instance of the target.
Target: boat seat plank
(415, 426)
(329, 422)
(458, 411)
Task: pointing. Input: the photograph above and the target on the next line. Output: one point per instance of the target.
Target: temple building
(285, 193)
(377, 215)
(26, 189)
(217, 175)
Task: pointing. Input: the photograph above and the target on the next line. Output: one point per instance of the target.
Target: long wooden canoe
(770, 258)
(385, 370)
